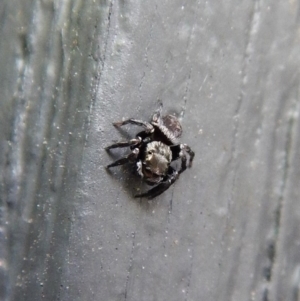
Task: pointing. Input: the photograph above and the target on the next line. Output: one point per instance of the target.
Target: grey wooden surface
(228, 229)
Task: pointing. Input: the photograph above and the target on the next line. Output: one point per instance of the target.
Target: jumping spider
(153, 150)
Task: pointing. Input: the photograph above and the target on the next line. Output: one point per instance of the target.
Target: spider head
(156, 163)
(157, 159)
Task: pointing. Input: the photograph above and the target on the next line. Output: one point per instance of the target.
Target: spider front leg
(120, 144)
(179, 151)
(190, 152)
(163, 186)
(128, 159)
(148, 127)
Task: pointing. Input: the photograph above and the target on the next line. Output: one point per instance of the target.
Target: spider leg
(148, 127)
(183, 164)
(179, 151)
(143, 135)
(163, 186)
(131, 142)
(190, 152)
(157, 114)
(130, 158)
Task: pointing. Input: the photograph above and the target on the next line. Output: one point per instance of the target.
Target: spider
(153, 150)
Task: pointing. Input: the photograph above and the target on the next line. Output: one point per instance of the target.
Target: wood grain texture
(228, 229)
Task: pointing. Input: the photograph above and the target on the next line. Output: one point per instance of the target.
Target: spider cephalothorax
(153, 150)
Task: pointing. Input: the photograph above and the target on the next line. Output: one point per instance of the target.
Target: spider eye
(149, 152)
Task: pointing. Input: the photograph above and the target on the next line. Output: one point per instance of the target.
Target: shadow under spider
(130, 181)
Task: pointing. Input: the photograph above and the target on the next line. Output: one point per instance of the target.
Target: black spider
(153, 150)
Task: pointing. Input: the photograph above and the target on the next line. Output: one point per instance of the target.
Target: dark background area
(229, 229)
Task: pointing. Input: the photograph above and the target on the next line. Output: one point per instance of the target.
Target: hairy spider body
(153, 150)
(157, 158)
